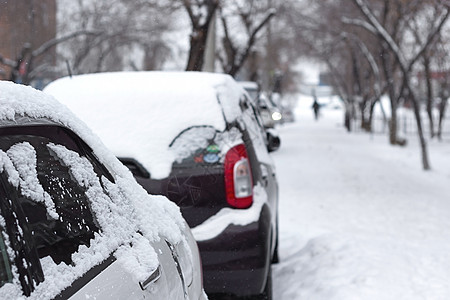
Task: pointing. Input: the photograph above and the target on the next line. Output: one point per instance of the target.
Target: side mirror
(273, 141)
(262, 104)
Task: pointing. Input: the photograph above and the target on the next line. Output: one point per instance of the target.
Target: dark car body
(236, 261)
(221, 175)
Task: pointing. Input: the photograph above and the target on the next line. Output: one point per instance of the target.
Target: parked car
(252, 88)
(268, 113)
(74, 222)
(285, 105)
(197, 139)
(268, 110)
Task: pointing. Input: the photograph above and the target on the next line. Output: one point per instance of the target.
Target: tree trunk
(347, 120)
(426, 63)
(423, 144)
(442, 109)
(387, 64)
(201, 14)
(370, 118)
(365, 117)
(393, 139)
(197, 50)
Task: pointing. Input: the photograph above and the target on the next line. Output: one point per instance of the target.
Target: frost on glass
(83, 172)
(55, 207)
(194, 141)
(138, 257)
(23, 157)
(6, 256)
(228, 139)
(191, 140)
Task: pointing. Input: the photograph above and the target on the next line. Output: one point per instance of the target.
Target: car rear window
(196, 147)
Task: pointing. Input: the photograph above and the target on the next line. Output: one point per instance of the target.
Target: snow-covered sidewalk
(360, 219)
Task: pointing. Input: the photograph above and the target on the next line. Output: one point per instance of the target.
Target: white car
(74, 223)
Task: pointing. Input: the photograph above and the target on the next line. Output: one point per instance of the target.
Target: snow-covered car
(74, 223)
(252, 88)
(196, 138)
(269, 112)
(269, 116)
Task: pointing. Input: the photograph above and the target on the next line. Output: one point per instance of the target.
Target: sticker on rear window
(198, 158)
(211, 158)
(213, 149)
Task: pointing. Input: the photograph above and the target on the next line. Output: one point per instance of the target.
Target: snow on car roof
(128, 210)
(24, 101)
(138, 114)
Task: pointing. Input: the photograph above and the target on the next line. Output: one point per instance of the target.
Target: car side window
(48, 181)
(57, 208)
(256, 114)
(19, 256)
(253, 122)
(5, 265)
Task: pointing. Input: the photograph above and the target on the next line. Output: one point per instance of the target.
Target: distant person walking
(316, 106)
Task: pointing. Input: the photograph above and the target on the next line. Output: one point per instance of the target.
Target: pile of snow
(148, 102)
(122, 211)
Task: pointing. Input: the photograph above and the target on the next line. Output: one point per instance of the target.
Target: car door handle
(265, 179)
(264, 175)
(151, 279)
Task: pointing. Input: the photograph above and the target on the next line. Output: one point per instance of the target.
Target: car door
(114, 282)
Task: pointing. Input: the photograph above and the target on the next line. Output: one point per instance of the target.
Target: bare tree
(406, 63)
(281, 45)
(251, 17)
(375, 48)
(132, 34)
(350, 56)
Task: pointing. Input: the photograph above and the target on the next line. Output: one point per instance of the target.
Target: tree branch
(188, 6)
(8, 62)
(360, 23)
(53, 42)
(252, 38)
(430, 38)
(362, 5)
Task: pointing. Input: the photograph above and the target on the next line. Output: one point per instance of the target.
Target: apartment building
(24, 26)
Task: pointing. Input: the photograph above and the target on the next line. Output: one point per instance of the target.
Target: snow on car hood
(138, 114)
(124, 211)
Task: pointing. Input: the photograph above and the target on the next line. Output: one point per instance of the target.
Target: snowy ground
(359, 219)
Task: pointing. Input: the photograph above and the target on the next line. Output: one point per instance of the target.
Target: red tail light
(238, 178)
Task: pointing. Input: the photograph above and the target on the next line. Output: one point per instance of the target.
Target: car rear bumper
(237, 261)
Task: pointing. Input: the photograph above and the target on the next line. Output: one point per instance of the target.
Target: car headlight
(276, 116)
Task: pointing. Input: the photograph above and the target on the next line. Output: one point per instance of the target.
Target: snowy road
(359, 219)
